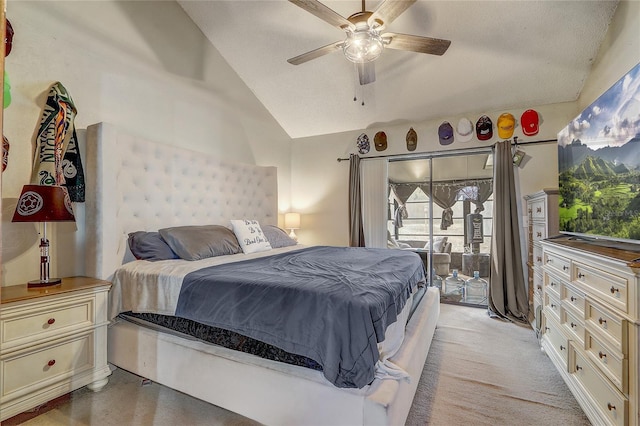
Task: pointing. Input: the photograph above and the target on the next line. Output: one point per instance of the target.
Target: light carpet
(480, 371)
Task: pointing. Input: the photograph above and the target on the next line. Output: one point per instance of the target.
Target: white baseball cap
(464, 130)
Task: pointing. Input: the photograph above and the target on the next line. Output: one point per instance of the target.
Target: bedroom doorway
(441, 206)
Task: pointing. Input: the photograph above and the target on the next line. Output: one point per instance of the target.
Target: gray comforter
(330, 304)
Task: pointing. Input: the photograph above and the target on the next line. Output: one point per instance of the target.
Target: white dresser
(591, 326)
(542, 216)
(52, 341)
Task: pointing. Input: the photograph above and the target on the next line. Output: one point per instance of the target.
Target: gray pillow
(150, 246)
(277, 237)
(200, 242)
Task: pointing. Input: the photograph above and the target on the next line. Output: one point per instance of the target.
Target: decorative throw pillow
(277, 237)
(250, 236)
(200, 242)
(439, 243)
(150, 246)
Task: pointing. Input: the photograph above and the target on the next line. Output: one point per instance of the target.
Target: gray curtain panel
(507, 291)
(356, 233)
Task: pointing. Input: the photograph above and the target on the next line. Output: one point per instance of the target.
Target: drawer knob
(539, 234)
(552, 284)
(602, 321)
(614, 290)
(601, 355)
(539, 210)
(553, 306)
(51, 321)
(547, 329)
(549, 260)
(573, 299)
(578, 368)
(51, 363)
(539, 259)
(539, 287)
(562, 348)
(580, 275)
(573, 325)
(610, 406)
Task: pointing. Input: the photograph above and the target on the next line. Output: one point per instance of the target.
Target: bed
(134, 184)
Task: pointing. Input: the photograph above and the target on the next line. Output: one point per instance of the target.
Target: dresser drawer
(538, 231)
(539, 209)
(537, 282)
(558, 263)
(552, 284)
(610, 326)
(574, 298)
(25, 372)
(537, 255)
(573, 325)
(556, 338)
(552, 305)
(608, 287)
(606, 398)
(610, 362)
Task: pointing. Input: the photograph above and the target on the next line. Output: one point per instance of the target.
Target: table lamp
(292, 222)
(44, 203)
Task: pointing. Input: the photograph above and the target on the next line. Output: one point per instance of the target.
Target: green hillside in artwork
(600, 197)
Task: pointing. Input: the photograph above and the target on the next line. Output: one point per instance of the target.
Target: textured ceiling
(503, 54)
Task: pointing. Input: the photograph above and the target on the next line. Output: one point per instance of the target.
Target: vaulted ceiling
(503, 54)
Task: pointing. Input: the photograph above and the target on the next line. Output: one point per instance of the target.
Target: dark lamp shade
(44, 203)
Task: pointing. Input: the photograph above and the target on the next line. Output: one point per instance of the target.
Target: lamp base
(44, 283)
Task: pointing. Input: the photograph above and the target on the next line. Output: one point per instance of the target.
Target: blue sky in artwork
(612, 120)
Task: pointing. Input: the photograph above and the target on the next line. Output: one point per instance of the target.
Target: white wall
(320, 183)
(143, 66)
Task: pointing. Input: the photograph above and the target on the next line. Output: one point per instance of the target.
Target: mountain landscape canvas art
(599, 165)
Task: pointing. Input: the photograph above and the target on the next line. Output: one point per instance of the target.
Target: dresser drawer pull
(539, 234)
(539, 287)
(565, 267)
(51, 321)
(539, 259)
(553, 306)
(552, 284)
(562, 348)
(549, 260)
(578, 368)
(573, 325)
(601, 355)
(539, 210)
(547, 329)
(581, 275)
(573, 299)
(51, 363)
(610, 406)
(614, 290)
(602, 321)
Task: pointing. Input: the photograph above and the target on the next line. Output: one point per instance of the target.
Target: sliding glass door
(442, 207)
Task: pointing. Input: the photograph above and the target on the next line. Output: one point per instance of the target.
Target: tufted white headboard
(135, 184)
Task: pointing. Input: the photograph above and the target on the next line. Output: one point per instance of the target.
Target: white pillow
(250, 236)
(438, 244)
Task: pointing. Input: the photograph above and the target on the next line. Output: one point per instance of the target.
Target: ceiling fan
(364, 42)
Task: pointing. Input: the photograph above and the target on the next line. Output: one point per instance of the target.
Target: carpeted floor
(480, 371)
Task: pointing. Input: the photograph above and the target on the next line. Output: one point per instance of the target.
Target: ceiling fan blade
(366, 73)
(323, 12)
(432, 46)
(321, 51)
(389, 10)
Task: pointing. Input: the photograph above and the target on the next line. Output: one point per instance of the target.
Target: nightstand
(53, 340)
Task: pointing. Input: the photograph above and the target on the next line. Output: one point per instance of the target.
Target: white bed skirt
(271, 392)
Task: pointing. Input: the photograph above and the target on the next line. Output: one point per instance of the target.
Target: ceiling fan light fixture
(363, 46)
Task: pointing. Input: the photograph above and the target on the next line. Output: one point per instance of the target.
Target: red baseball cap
(530, 122)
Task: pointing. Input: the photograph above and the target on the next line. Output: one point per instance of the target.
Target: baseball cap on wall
(530, 122)
(445, 133)
(380, 141)
(412, 139)
(506, 124)
(464, 130)
(484, 128)
(363, 144)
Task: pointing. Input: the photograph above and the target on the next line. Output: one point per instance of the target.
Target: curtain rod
(476, 150)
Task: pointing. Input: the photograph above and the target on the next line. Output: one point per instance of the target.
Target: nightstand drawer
(25, 372)
(45, 320)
